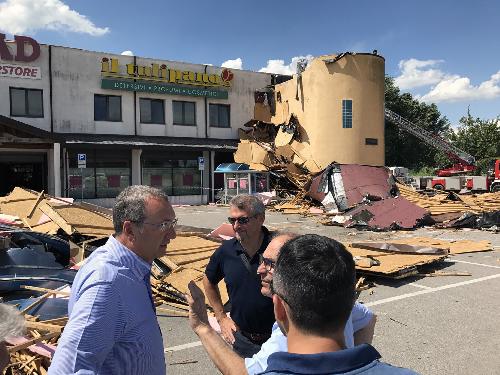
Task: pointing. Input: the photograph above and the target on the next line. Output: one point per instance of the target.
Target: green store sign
(161, 88)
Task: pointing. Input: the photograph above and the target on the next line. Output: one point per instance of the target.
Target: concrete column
(206, 175)
(212, 163)
(56, 163)
(136, 167)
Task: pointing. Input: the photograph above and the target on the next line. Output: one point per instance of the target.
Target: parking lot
(434, 325)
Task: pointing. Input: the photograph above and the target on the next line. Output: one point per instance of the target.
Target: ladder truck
(450, 178)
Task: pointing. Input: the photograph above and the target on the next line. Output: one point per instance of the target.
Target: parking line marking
(432, 290)
(476, 264)
(420, 286)
(183, 346)
(426, 290)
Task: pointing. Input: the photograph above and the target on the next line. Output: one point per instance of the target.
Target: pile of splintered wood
(442, 203)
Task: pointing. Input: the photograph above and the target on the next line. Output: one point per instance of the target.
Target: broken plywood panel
(83, 221)
(20, 203)
(454, 247)
(392, 265)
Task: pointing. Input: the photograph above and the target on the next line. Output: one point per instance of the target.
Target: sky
(441, 51)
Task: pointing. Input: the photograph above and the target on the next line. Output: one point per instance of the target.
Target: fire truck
(453, 178)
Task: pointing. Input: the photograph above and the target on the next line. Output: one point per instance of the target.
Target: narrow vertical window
(347, 114)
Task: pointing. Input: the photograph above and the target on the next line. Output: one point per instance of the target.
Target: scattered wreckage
(44, 239)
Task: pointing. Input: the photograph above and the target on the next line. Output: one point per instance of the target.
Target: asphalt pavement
(434, 325)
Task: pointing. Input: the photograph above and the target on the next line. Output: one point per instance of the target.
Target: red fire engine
(450, 178)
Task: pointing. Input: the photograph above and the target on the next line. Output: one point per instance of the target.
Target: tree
(480, 138)
(401, 148)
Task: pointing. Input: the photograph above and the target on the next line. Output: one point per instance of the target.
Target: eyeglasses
(166, 225)
(268, 264)
(240, 220)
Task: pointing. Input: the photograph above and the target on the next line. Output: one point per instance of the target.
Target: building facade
(86, 124)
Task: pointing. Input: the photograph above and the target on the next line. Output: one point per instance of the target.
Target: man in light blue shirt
(112, 327)
(359, 328)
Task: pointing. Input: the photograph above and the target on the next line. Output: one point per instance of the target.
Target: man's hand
(198, 317)
(227, 327)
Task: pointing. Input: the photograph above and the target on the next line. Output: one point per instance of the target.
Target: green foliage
(480, 138)
(403, 149)
(424, 171)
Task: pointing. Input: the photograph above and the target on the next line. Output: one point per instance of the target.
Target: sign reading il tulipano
(160, 79)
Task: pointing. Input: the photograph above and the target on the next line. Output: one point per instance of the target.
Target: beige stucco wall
(359, 78)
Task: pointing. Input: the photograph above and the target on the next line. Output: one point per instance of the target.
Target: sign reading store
(161, 79)
(27, 50)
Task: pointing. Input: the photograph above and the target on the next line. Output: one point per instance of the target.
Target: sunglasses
(240, 220)
(268, 264)
(166, 225)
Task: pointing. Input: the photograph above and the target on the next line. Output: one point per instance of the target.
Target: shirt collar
(341, 361)
(128, 258)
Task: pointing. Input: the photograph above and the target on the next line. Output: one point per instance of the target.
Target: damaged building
(331, 110)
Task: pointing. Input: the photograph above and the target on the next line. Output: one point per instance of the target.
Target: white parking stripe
(432, 290)
(374, 303)
(476, 264)
(420, 286)
(183, 346)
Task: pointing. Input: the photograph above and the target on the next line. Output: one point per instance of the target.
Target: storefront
(137, 121)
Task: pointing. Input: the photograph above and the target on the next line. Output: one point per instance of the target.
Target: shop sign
(111, 68)
(21, 41)
(20, 71)
(161, 88)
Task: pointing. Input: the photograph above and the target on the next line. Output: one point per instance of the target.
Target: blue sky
(445, 52)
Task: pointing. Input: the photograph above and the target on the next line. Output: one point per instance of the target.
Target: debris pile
(48, 235)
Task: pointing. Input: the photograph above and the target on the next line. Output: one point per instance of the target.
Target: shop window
(220, 115)
(152, 111)
(174, 173)
(107, 108)
(26, 102)
(184, 113)
(106, 175)
(157, 173)
(347, 114)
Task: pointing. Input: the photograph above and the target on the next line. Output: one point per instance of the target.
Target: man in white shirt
(359, 328)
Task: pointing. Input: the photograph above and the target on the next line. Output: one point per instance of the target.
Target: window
(184, 113)
(219, 115)
(107, 108)
(152, 111)
(175, 173)
(26, 102)
(107, 173)
(346, 113)
(371, 141)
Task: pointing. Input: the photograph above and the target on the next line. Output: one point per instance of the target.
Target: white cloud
(414, 75)
(127, 53)
(456, 88)
(21, 16)
(279, 67)
(233, 64)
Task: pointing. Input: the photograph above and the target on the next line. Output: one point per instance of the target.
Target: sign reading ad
(18, 71)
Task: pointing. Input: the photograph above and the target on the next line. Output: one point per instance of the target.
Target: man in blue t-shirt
(313, 294)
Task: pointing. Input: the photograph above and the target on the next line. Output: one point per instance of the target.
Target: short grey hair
(249, 203)
(12, 322)
(131, 204)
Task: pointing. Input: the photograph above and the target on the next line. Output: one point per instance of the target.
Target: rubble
(36, 266)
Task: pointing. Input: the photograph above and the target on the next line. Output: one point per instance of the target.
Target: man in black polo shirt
(236, 261)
